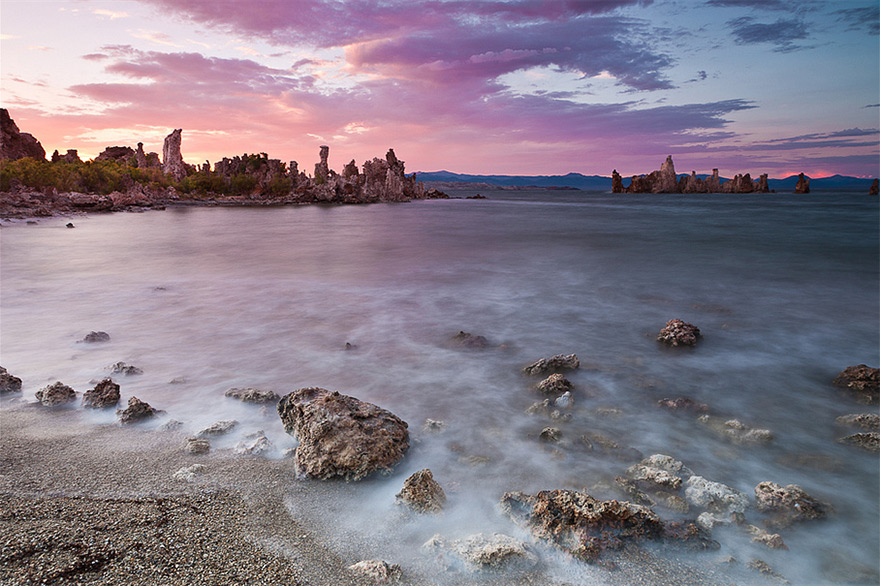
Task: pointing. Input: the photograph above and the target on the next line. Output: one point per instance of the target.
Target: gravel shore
(82, 503)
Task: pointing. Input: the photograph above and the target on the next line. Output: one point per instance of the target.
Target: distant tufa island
(122, 177)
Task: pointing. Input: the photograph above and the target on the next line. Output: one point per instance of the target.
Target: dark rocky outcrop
(875, 188)
(250, 395)
(868, 421)
(341, 436)
(683, 404)
(15, 144)
(665, 180)
(56, 394)
(120, 154)
(9, 383)
(867, 440)
(788, 504)
(553, 364)
(585, 526)
(555, 384)
(103, 396)
(72, 156)
(94, 337)
(679, 333)
(863, 381)
(422, 493)
(803, 184)
(470, 341)
(137, 410)
(124, 369)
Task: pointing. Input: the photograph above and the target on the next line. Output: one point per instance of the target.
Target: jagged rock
(93, 337)
(341, 435)
(189, 473)
(555, 384)
(803, 184)
(103, 396)
(422, 493)
(137, 410)
(862, 380)
(322, 170)
(771, 540)
(9, 383)
(172, 159)
(869, 421)
(547, 407)
(124, 369)
(867, 441)
(660, 471)
(679, 333)
(253, 444)
(736, 431)
(72, 156)
(616, 182)
(875, 188)
(121, 154)
(377, 571)
(551, 435)
(15, 144)
(493, 551)
(554, 363)
(788, 504)
(218, 428)
(433, 425)
(56, 394)
(584, 526)
(140, 157)
(197, 446)
(251, 395)
(764, 568)
(714, 496)
(683, 404)
(665, 181)
(470, 341)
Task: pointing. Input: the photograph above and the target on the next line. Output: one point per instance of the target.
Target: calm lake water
(784, 289)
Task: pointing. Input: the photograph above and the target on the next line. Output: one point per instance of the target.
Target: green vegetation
(254, 175)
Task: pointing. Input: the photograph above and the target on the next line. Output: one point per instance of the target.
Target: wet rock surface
(422, 493)
(715, 496)
(96, 337)
(136, 411)
(736, 431)
(481, 551)
(218, 428)
(555, 384)
(555, 363)
(679, 333)
(377, 571)
(9, 383)
(867, 441)
(56, 394)
(124, 369)
(867, 421)
(469, 341)
(683, 404)
(251, 395)
(863, 381)
(789, 504)
(253, 444)
(105, 395)
(196, 445)
(341, 436)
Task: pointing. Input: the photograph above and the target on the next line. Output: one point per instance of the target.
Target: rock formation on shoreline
(15, 144)
(666, 181)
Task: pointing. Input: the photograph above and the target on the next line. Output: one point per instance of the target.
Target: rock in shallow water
(104, 396)
(422, 493)
(56, 394)
(552, 364)
(862, 380)
(218, 428)
(341, 436)
(868, 421)
(137, 410)
(867, 441)
(94, 337)
(679, 333)
(469, 341)
(9, 383)
(250, 395)
(377, 571)
(788, 504)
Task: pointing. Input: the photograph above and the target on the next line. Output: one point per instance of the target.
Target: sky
(516, 87)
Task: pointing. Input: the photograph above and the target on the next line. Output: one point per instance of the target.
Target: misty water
(783, 287)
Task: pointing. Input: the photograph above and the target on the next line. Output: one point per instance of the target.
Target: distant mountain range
(600, 183)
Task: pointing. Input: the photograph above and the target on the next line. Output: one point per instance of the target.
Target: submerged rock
(196, 445)
(250, 395)
(736, 431)
(551, 435)
(341, 435)
(56, 394)
(470, 341)
(869, 421)
(9, 383)
(480, 551)
(679, 333)
(104, 396)
(253, 444)
(867, 441)
(584, 526)
(714, 496)
(683, 404)
(137, 410)
(124, 369)
(554, 363)
(422, 493)
(555, 384)
(218, 428)
(788, 504)
(93, 337)
(661, 471)
(377, 571)
(862, 380)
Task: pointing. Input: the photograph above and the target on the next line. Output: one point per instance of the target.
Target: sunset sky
(520, 87)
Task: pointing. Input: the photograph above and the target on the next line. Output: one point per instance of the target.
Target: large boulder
(103, 396)
(341, 436)
(9, 383)
(862, 380)
(56, 394)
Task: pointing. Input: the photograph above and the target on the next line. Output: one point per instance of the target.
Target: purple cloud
(782, 33)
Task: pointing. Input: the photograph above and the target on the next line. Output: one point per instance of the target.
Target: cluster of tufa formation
(666, 181)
